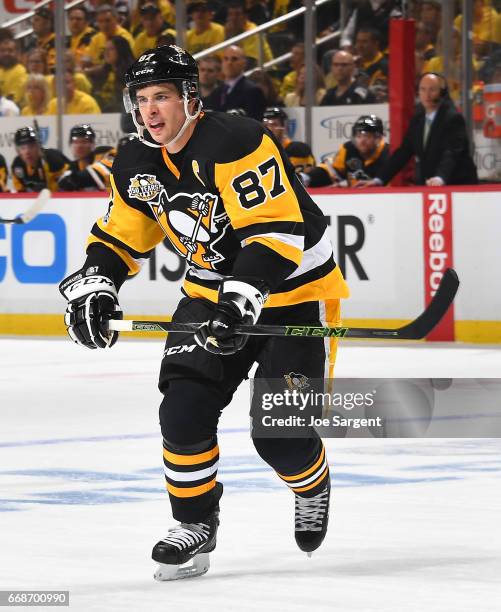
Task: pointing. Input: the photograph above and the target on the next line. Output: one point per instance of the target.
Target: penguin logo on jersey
(296, 381)
(193, 226)
(144, 187)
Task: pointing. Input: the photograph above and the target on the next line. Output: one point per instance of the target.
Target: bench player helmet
(275, 112)
(82, 131)
(25, 135)
(368, 123)
(165, 64)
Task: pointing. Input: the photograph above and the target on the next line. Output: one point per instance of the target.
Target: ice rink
(415, 524)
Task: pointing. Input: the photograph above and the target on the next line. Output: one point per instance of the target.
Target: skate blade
(309, 554)
(197, 566)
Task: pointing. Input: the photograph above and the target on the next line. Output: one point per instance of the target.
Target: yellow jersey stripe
(169, 163)
(332, 284)
(307, 472)
(191, 459)
(191, 491)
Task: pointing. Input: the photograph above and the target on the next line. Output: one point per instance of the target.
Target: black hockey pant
(197, 385)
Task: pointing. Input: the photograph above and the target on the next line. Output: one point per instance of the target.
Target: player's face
(29, 153)
(81, 147)
(366, 143)
(276, 127)
(162, 111)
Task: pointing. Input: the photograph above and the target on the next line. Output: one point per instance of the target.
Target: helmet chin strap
(188, 120)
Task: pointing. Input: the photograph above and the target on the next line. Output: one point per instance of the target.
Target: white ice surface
(415, 523)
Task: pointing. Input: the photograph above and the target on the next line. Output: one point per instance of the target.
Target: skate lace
(187, 534)
(310, 511)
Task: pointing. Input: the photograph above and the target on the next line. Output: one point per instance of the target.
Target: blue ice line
(49, 441)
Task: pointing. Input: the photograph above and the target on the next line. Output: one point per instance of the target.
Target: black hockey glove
(239, 303)
(92, 300)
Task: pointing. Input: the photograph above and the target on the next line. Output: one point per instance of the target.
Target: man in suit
(237, 91)
(437, 137)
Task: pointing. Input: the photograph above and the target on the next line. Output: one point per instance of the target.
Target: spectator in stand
(12, 73)
(76, 102)
(107, 24)
(37, 95)
(237, 91)
(373, 65)
(153, 26)
(35, 168)
(373, 13)
(209, 70)
(436, 138)
(43, 36)
(263, 80)
(124, 16)
(436, 64)
(81, 33)
(237, 23)
(347, 90)
(4, 174)
(431, 13)
(257, 11)
(486, 28)
(91, 166)
(295, 62)
(425, 45)
(166, 8)
(108, 79)
(299, 153)
(82, 83)
(296, 98)
(358, 159)
(8, 108)
(205, 33)
(36, 62)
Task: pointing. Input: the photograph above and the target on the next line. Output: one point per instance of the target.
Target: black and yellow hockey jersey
(230, 203)
(348, 165)
(299, 154)
(4, 174)
(91, 174)
(45, 174)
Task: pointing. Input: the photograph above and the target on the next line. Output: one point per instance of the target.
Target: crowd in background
(105, 38)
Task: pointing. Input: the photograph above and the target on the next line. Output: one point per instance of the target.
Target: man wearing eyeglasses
(347, 90)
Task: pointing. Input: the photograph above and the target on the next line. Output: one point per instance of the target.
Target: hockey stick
(415, 330)
(38, 204)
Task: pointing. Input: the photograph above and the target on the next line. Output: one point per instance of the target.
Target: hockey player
(4, 174)
(90, 170)
(222, 191)
(299, 153)
(35, 168)
(358, 159)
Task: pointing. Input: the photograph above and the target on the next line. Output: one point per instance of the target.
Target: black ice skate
(184, 552)
(311, 519)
